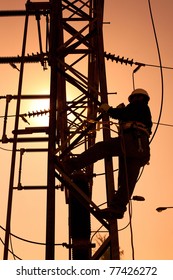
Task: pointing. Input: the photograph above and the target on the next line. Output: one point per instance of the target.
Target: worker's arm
(115, 113)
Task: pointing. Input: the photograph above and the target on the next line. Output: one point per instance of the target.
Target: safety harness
(134, 125)
(138, 127)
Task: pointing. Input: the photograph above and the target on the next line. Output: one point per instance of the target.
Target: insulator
(37, 113)
(122, 60)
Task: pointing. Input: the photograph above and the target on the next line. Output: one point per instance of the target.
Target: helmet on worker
(139, 92)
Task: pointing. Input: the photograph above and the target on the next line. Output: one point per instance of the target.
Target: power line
(64, 244)
(14, 255)
(131, 62)
(161, 70)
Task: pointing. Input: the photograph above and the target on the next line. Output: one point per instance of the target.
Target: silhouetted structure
(75, 54)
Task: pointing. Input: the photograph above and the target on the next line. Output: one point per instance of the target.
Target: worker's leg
(128, 173)
(129, 167)
(100, 150)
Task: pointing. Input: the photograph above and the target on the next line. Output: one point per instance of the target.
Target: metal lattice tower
(75, 55)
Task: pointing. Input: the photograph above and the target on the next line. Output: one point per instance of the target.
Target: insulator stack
(117, 59)
(37, 113)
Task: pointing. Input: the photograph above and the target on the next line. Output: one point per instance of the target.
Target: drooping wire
(10, 250)
(33, 242)
(161, 70)
(162, 81)
(6, 150)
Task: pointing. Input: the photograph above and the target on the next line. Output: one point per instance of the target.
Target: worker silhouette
(131, 146)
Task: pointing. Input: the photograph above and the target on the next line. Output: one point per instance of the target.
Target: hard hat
(139, 91)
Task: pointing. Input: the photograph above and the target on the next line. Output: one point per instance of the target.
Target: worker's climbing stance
(131, 146)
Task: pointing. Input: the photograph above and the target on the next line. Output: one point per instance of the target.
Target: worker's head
(139, 94)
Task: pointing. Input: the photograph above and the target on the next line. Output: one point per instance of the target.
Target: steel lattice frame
(75, 56)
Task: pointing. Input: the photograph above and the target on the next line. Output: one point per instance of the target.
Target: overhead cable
(131, 62)
(161, 70)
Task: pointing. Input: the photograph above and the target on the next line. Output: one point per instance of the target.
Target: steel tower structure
(75, 56)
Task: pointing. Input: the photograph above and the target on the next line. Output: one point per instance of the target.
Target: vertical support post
(50, 217)
(57, 122)
(114, 247)
(13, 159)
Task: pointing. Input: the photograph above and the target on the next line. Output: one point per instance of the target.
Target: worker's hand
(120, 106)
(104, 107)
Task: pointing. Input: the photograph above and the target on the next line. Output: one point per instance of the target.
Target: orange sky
(129, 34)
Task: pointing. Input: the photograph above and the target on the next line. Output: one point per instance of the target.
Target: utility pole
(75, 55)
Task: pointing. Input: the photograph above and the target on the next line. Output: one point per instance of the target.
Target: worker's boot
(113, 212)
